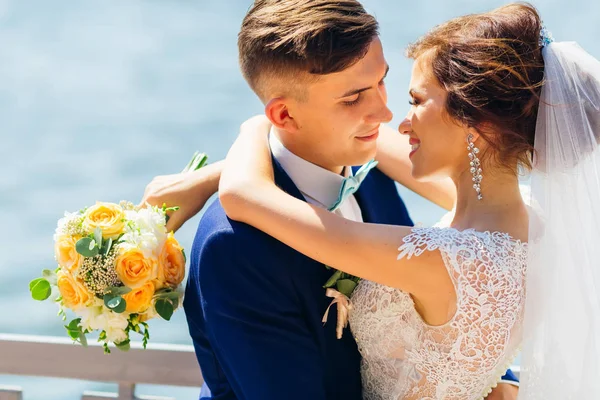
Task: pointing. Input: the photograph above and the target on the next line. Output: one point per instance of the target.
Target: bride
(441, 312)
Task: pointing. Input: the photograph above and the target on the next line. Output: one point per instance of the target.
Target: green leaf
(333, 279)
(75, 332)
(346, 286)
(98, 237)
(163, 291)
(184, 256)
(117, 290)
(115, 303)
(106, 246)
(83, 339)
(124, 345)
(168, 294)
(87, 247)
(40, 289)
(74, 324)
(164, 308)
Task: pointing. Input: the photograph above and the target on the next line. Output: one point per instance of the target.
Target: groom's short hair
(294, 40)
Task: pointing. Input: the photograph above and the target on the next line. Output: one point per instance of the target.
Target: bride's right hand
(187, 190)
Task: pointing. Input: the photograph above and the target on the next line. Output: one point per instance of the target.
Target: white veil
(561, 350)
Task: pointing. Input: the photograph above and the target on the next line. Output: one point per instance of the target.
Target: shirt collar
(313, 181)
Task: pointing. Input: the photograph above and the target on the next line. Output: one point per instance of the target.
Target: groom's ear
(278, 112)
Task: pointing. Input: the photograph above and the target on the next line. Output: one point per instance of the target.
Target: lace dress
(404, 358)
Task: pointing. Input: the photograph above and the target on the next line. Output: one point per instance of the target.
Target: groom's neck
(311, 154)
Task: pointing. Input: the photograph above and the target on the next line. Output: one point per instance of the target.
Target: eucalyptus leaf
(74, 324)
(118, 290)
(115, 303)
(175, 302)
(124, 345)
(164, 308)
(87, 247)
(98, 237)
(40, 289)
(346, 286)
(74, 330)
(164, 290)
(83, 339)
(107, 246)
(333, 279)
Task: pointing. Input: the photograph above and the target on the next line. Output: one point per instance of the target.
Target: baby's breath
(98, 273)
(128, 206)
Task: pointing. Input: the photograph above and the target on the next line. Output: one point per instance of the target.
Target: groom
(254, 306)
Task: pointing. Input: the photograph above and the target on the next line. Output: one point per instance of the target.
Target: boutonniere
(345, 285)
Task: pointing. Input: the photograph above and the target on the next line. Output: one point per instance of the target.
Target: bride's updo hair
(492, 68)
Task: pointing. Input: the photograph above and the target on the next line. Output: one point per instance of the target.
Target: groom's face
(338, 119)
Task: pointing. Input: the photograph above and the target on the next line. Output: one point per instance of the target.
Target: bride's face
(439, 142)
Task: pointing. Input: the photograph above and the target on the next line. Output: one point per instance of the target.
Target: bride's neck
(501, 195)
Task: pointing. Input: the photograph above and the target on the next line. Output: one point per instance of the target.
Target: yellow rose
(73, 293)
(171, 264)
(133, 269)
(66, 254)
(107, 216)
(139, 300)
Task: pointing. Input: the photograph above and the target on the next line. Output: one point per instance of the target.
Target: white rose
(115, 325)
(146, 242)
(67, 225)
(146, 232)
(147, 220)
(92, 317)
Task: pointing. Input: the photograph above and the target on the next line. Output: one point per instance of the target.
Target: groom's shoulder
(214, 220)
(216, 227)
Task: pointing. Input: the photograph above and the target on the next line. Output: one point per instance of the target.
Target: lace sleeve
(424, 239)
(482, 338)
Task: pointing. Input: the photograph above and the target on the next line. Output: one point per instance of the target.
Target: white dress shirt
(318, 185)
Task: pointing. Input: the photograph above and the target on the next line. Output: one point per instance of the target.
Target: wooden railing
(160, 364)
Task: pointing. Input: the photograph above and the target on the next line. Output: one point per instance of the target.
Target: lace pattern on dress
(404, 358)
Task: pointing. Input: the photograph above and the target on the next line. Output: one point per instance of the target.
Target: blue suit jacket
(254, 308)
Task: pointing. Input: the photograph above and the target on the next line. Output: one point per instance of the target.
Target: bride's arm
(392, 154)
(248, 194)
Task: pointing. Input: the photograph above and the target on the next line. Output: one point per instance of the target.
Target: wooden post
(10, 393)
(126, 391)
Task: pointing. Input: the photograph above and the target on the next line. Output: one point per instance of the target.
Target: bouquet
(118, 267)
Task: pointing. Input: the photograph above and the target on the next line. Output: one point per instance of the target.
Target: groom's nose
(379, 113)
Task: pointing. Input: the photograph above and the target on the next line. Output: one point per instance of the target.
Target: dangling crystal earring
(475, 166)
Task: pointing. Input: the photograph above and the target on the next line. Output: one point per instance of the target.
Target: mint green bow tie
(351, 184)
